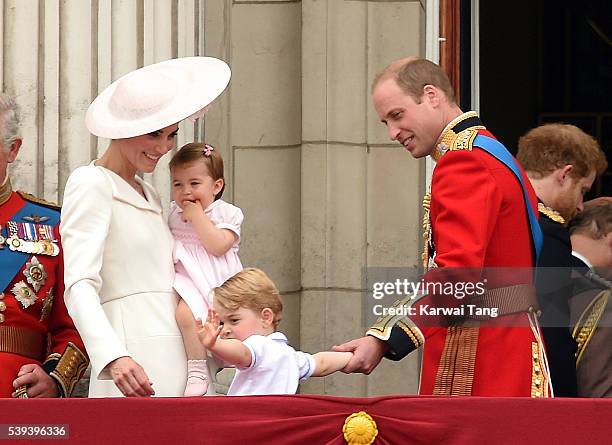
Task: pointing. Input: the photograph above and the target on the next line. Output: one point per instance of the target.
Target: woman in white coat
(117, 247)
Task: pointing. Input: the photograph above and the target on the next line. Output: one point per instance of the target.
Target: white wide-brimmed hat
(156, 96)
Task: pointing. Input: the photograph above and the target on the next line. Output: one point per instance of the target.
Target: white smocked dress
(198, 271)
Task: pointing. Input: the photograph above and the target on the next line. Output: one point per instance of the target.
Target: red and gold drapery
(306, 420)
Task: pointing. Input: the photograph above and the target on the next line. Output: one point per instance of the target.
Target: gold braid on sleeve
(69, 369)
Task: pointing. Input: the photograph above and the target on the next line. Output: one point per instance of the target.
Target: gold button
(2, 306)
(1, 318)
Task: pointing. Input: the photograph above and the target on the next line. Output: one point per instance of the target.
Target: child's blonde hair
(195, 151)
(250, 288)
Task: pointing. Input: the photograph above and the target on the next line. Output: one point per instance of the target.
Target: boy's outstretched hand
(209, 331)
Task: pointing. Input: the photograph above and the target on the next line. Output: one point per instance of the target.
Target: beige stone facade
(323, 190)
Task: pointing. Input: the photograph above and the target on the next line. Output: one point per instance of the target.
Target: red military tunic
(34, 324)
(478, 220)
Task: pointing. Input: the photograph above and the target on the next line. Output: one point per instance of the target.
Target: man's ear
(563, 173)
(431, 95)
(14, 149)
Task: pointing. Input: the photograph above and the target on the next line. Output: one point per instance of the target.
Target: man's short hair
(595, 220)
(250, 288)
(548, 147)
(9, 115)
(412, 74)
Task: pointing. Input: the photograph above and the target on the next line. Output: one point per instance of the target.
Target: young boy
(247, 310)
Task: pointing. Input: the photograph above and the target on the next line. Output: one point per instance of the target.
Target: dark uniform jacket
(554, 289)
(591, 318)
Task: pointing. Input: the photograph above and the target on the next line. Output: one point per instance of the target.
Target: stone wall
(323, 190)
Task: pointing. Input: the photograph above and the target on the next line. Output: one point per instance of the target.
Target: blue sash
(11, 262)
(496, 149)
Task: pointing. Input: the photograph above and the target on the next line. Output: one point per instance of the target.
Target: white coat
(119, 274)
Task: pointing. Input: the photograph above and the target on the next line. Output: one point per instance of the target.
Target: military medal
(47, 305)
(24, 294)
(47, 247)
(439, 151)
(13, 241)
(35, 273)
(33, 238)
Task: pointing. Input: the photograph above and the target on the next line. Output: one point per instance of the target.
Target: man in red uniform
(481, 216)
(41, 353)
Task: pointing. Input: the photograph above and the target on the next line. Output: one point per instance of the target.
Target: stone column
(265, 135)
(360, 193)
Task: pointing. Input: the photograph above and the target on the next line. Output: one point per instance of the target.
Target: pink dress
(197, 271)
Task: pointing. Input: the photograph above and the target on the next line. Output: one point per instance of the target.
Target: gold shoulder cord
(588, 322)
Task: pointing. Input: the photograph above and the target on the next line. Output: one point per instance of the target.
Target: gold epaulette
(69, 369)
(552, 214)
(464, 140)
(451, 140)
(589, 320)
(31, 198)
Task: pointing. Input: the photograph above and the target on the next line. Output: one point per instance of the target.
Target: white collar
(583, 259)
(278, 336)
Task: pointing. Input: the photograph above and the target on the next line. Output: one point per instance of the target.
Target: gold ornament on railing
(359, 429)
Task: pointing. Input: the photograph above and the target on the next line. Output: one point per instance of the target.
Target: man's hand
(367, 352)
(38, 382)
(209, 331)
(192, 210)
(130, 378)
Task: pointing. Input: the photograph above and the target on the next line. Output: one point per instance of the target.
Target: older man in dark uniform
(41, 353)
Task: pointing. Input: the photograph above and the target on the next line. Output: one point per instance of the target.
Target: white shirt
(276, 368)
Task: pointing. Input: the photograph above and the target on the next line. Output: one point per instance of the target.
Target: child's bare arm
(328, 362)
(231, 351)
(216, 241)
